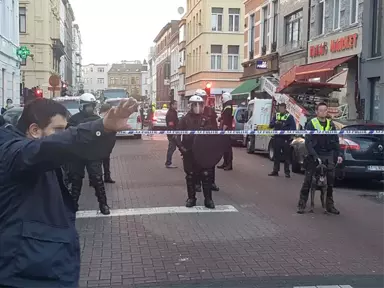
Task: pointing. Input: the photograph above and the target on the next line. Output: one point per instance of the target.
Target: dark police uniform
(281, 143)
(192, 169)
(172, 120)
(226, 120)
(323, 147)
(94, 169)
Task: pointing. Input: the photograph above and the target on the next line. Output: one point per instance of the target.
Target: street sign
(54, 81)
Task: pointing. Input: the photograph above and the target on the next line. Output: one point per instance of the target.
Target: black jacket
(321, 144)
(192, 121)
(80, 118)
(39, 244)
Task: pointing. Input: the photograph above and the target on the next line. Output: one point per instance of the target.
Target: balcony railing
(292, 47)
(58, 47)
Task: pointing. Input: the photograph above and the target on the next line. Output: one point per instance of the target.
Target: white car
(158, 119)
(134, 120)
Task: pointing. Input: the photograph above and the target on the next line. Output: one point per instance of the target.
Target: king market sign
(341, 44)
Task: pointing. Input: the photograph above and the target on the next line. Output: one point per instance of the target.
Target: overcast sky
(116, 30)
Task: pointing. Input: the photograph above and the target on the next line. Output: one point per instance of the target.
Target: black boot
(301, 207)
(207, 189)
(108, 179)
(76, 186)
(222, 166)
(107, 171)
(214, 186)
(191, 190)
(329, 203)
(101, 196)
(228, 167)
(273, 173)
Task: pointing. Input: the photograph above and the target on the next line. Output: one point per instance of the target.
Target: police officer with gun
(76, 169)
(200, 152)
(321, 149)
(281, 143)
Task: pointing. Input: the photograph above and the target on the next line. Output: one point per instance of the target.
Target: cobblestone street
(255, 239)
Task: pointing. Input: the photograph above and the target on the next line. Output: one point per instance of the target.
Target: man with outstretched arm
(38, 238)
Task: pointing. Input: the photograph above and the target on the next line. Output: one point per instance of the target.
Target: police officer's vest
(316, 124)
(280, 117)
(229, 107)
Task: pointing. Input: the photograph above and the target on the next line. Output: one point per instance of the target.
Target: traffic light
(208, 89)
(64, 89)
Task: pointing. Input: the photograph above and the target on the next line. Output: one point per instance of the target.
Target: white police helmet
(197, 102)
(226, 97)
(196, 99)
(87, 99)
(201, 93)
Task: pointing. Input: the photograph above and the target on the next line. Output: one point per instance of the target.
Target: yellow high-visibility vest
(316, 124)
(280, 117)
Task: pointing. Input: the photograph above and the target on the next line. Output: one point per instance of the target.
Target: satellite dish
(180, 10)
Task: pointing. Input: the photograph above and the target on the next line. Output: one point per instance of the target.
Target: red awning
(321, 67)
(306, 87)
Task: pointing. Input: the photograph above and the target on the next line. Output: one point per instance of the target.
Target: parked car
(134, 120)
(12, 115)
(363, 154)
(239, 118)
(158, 120)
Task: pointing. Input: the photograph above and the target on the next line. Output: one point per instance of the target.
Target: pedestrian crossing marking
(156, 210)
(325, 286)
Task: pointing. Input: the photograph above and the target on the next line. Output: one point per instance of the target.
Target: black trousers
(76, 176)
(228, 154)
(281, 148)
(194, 174)
(328, 160)
(107, 166)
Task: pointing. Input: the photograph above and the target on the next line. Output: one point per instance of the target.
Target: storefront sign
(261, 64)
(334, 46)
(344, 43)
(318, 50)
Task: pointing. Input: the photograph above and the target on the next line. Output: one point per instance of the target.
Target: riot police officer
(281, 143)
(76, 168)
(226, 120)
(321, 149)
(195, 120)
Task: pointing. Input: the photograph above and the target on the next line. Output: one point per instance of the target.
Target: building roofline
(165, 29)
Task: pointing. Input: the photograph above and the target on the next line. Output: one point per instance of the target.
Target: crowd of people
(42, 169)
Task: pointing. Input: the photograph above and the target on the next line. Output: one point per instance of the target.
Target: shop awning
(321, 67)
(306, 87)
(245, 89)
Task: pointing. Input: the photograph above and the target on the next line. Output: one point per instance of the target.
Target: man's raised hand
(116, 119)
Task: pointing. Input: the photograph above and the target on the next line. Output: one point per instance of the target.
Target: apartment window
(100, 70)
(23, 62)
(265, 26)
(217, 19)
(293, 27)
(112, 81)
(100, 80)
(376, 27)
(234, 19)
(320, 17)
(275, 20)
(22, 20)
(354, 11)
(216, 56)
(375, 98)
(233, 57)
(91, 70)
(133, 82)
(251, 38)
(336, 14)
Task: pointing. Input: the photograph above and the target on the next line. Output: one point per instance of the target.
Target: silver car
(158, 120)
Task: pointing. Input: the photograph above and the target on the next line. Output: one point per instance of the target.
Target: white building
(145, 81)
(152, 74)
(95, 77)
(76, 58)
(63, 19)
(9, 42)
